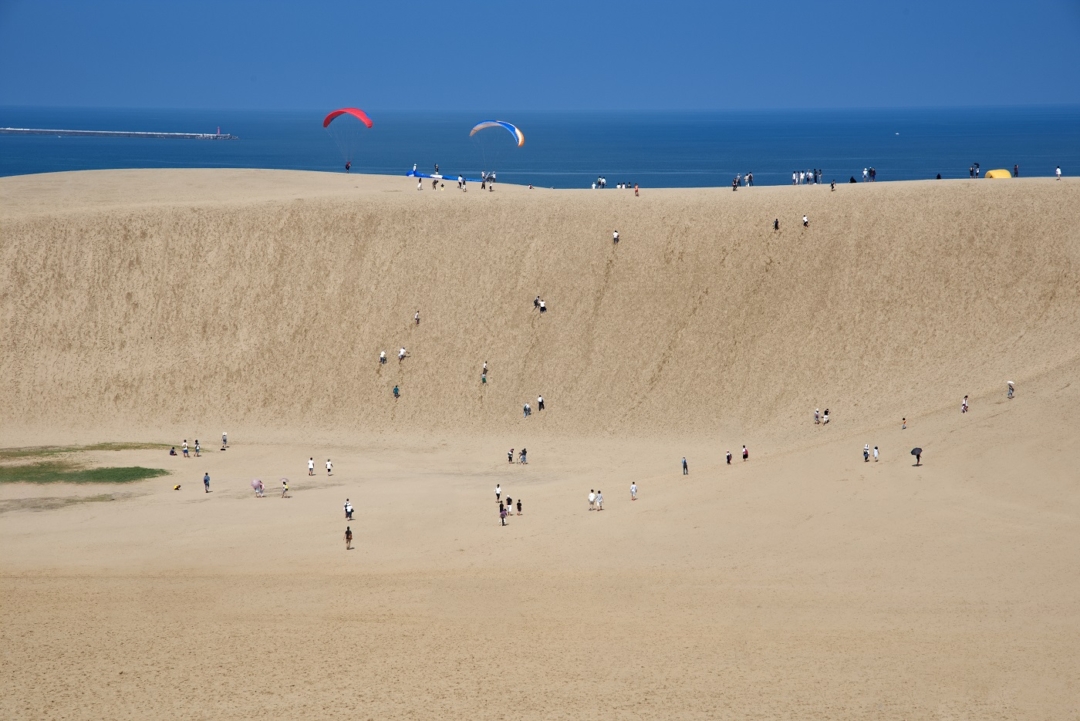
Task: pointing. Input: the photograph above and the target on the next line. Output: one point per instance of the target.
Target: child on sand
(817, 416)
(348, 538)
(964, 405)
(224, 440)
(498, 491)
(685, 468)
(825, 417)
(875, 454)
(348, 510)
(599, 501)
(615, 237)
(284, 487)
(1009, 394)
(523, 458)
(633, 491)
(519, 506)
(206, 482)
(903, 424)
(185, 449)
(729, 458)
(502, 514)
(311, 466)
(592, 500)
(510, 456)
(866, 453)
(329, 467)
(745, 453)
(172, 451)
(198, 449)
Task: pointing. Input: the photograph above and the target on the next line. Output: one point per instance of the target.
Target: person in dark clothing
(776, 224)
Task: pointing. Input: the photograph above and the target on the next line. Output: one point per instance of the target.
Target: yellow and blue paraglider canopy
(519, 137)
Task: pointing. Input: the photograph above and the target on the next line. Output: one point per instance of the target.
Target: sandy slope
(803, 584)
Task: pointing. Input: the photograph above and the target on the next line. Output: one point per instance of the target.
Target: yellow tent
(998, 174)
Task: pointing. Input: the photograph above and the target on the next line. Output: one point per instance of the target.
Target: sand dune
(264, 309)
(158, 305)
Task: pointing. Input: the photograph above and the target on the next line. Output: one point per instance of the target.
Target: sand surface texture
(804, 583)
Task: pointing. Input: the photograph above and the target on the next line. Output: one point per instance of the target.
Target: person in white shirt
(539, 403)
(311, 466)
(329, 467)
(382, 357)
(417, 317)
(615, 237)
(498, 489)
(592, 500)
(419, 184)
(1058, 172)
(875, 454)
(633, 491)
(865, 174)
(543, 307)
(401, 354)
(599, 501)
(805, 222)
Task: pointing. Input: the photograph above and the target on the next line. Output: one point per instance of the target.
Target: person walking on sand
(918, 458)
(866, 453)
(382, 357)
(805, 222)
(224, 440)
(615, 237)
(348, 538)
(599, 500)
(259, 489)
(502, 514)
(543, 307)
(592, 500)
(198, 449)
(1012, 389)
(526, 410)
(536, 303)
(1058, 172)
(729, 458)
(397, 392)
(685, 468)
(776, 224)
(510, 456)
(498, 491)
(401, 354)
(539, 403)
(185, 449)
(523, 457)
(964, 405)
(825, 417)
(817, 417)
(311, 466)
(509, 504)
(284, 487)
(348, 510)
(875, 454)
(519, 506)
(745, 453)
(417, 317)
(633, 491)
(206, 482)
(329, 467)
(903, 424)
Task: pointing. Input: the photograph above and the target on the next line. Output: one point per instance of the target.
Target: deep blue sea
(570, 150)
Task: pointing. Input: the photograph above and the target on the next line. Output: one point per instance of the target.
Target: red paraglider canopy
(355, 112)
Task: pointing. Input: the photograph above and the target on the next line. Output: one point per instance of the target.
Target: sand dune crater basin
(140, 309)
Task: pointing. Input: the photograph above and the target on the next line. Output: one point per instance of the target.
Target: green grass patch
(11, 454)
(61, 472)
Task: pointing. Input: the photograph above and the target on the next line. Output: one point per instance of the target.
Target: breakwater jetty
(118, 134)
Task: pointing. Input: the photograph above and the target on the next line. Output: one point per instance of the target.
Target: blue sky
(558, 55)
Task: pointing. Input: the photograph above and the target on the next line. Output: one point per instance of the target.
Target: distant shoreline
(118, 134)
